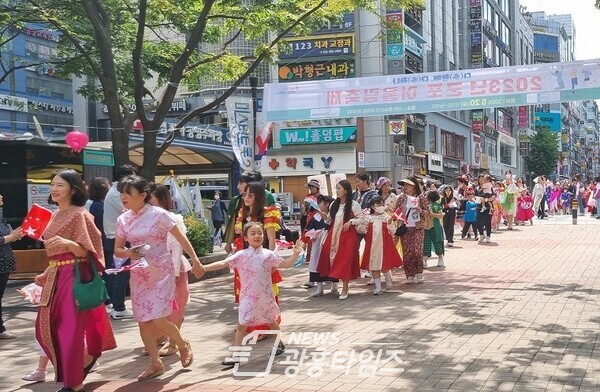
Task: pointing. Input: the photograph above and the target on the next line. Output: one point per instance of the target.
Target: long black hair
(335, 206)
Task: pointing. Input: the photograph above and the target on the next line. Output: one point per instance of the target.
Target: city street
(518, 314)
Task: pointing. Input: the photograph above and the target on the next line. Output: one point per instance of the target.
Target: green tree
(543, 152)
(121, 44)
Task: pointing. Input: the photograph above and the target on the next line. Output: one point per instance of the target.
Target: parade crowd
(126, 232)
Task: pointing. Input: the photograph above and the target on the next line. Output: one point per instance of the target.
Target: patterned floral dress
(412, 241)
(257, 299)
(153, 287)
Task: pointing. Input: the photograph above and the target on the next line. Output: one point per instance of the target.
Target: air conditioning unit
(411, 149)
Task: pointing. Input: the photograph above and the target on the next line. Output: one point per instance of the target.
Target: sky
(587, 22)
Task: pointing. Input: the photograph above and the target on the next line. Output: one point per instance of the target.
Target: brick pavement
(518, 314)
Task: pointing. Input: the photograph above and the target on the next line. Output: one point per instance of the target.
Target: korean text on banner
(240, 117)
(432, 92)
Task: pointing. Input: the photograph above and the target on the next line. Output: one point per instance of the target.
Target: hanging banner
(241, 130)
(432, 92)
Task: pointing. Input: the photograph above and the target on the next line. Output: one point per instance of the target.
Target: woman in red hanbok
(339, 255)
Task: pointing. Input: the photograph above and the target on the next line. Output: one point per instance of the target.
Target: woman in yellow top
(254, 210)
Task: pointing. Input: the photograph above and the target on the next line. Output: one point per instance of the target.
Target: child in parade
(497, 206)
(470, 216)
(257, 304)
(524, 208)
(449, 207)
(434, 234)
(380, 253)
(315, 233)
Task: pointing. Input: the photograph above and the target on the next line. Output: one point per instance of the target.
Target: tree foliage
(122, 44)
(543, 152)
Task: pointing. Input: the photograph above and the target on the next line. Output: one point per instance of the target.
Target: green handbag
(89, 295)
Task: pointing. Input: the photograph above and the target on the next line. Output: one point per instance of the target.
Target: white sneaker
(487, 239)
(420, 278)
(318, 293)
(441, 264)
(424, 263)
(481, 238)
(38, 375)
(450, 244)
(109, 308)
(121, 315)
(378, 292)
(410, 280)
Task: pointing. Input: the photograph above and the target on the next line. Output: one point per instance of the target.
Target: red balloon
(77, 140)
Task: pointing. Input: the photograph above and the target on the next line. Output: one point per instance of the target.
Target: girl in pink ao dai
(257, 301)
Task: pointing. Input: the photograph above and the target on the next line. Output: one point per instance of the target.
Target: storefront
(452, 169)
(291, 169)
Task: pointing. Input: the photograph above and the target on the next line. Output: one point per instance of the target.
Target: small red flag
(399, 215)
(36, 221)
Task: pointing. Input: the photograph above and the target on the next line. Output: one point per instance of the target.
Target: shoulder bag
(88, 295)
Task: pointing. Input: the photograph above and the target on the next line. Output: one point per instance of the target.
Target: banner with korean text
(240, 118)
(432, 92)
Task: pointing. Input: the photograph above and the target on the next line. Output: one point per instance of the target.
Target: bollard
(574, 211)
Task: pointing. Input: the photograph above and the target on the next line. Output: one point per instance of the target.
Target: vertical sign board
(395, 36)
(476, 33)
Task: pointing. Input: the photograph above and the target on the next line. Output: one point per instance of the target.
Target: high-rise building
(554, 41)
(35, 91)
(448, 134)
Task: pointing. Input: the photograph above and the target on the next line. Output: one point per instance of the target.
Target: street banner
(241, 130)
(433, 92)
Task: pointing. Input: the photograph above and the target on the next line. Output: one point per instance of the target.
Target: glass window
(506, 154)
(432, 138)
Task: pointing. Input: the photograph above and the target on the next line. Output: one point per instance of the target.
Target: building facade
(35, 91)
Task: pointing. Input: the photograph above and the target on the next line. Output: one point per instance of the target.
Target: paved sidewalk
(518, 314)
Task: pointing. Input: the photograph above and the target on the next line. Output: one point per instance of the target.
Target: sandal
(88, 368)
(151, 372)
(280, 349)
(167, 349)
(187, 356)
(229, 363)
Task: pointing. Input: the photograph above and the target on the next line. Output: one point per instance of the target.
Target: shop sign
(551, 120)
(36, 105)
(435, 162)
(395, 36)
(451, 166)
(318, 46)
(323, 70)
(282, 165)
(476, 147)
(178, 105)
(98, 158)
(294, 136)
(477, 121)
(41, 33)
(12, 103)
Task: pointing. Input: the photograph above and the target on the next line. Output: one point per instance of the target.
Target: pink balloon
(77, 140)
